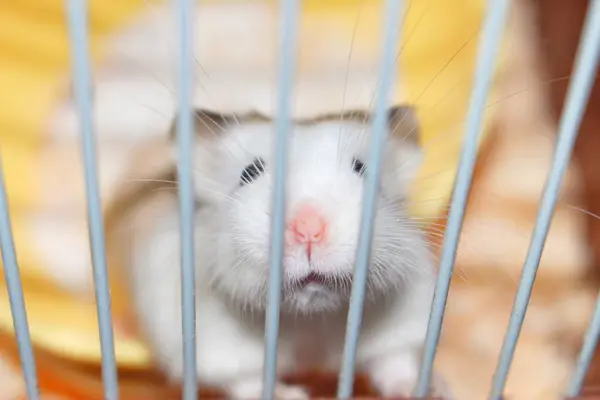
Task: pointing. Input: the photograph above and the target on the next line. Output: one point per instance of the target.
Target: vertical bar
(78, 32)
(576, 101)
(288, 20)
(380, 131)
(185, 141)
(586, 355)
(489, 44)
(15, 295)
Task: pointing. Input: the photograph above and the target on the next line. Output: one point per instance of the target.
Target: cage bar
(586, 64)
(283, 124)
(586, 355)
(77, 12)
(380, 132)
(185, 167)
(15, 295)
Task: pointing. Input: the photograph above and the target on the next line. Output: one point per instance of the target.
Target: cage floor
(61, 379)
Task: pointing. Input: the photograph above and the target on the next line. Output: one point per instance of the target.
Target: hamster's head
(327, 165)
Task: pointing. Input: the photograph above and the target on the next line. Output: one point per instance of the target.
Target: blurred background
(134, 56)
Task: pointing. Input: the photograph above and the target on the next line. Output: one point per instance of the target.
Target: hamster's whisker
(155, 9)
(414, 222)
(135, 62)
(400, 51)
(439, 135)
(168, 118)
(446, 65)
(165, 189)
(584, 211)
(207, 116)
(409, 264)
(418, 182)
(222, 130)
(354, 30)
(428, 85)
(409, 226)
(150, 180)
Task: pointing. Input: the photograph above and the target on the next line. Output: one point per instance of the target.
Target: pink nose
(308, 226)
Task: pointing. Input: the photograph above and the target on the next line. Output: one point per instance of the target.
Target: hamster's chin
(313, 298)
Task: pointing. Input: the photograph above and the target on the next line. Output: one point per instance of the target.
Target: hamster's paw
(396, 376)
(289, 392)
(251, 389)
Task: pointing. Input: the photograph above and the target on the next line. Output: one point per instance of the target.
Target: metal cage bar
(77, 12)
(187, 222)
(586, 355)
(288, 27)
(577, 97)
(380, 132)
(15, 294)
(489, 44)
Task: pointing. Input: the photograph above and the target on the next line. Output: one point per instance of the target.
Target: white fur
(232, 237)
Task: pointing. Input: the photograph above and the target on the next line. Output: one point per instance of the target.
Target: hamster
(233, 181)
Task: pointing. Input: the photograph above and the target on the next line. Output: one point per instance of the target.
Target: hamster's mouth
(318, 281)
(313, 278)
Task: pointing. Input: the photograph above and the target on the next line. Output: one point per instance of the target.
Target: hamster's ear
(209, 128)
(207, 124)
(404, 124)
(405, 135)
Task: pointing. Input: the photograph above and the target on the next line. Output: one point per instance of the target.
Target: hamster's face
(327, 163)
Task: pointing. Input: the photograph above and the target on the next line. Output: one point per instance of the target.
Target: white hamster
(233, 181)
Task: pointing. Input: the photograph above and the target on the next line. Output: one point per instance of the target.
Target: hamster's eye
(358, 166)
(252, 171)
